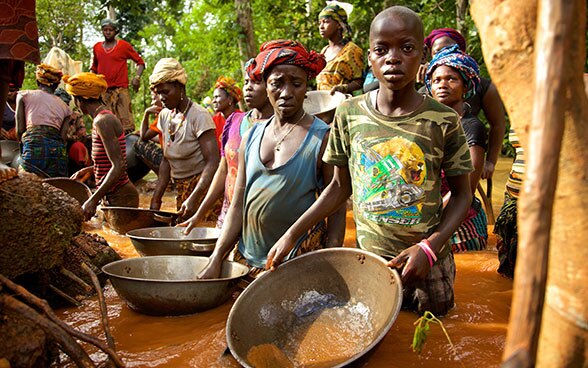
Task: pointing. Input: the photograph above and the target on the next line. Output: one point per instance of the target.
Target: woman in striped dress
(108, 146)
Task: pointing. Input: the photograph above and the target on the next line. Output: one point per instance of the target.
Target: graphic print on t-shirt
(392, 187)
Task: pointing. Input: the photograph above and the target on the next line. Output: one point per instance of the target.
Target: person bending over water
(45, 118)
(108, 145)
(190, 152)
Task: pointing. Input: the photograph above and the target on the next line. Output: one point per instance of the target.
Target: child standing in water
(389, 147)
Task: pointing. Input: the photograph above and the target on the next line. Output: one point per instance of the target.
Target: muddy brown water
(476, 325)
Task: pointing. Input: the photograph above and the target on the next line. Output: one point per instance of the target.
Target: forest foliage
(206, 38)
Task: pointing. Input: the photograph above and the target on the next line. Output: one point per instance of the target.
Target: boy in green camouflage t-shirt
(389, 147)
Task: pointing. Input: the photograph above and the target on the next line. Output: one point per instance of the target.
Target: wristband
(427, 244)
(427, 254)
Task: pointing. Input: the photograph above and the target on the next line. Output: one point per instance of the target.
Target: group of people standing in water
(277, 179)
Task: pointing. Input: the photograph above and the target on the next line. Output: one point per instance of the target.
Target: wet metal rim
(393, 273)
(245, 270)
(187, 238)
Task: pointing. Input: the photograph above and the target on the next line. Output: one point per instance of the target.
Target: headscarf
(48, 75)
(109, 22)
(288, 52)
(86, 85)
(446, 32)
(466, 66)
(339, 15)
(229, 85)
(167, 70)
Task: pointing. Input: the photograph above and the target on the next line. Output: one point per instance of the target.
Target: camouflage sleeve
(337, 152)
(456, 157)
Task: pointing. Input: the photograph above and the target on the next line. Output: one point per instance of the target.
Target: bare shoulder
(108, 123)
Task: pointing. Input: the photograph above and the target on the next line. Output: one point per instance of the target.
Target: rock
(37, 223)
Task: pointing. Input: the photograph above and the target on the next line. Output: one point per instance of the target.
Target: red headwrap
(446, 32)
(229, 85)
(289, 52)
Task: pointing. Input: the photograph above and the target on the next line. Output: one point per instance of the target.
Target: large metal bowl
(323, 309)
(158, 241)
(124, 219)
(168, 285)
(76, 189)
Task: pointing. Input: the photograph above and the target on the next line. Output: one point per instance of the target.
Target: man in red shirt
(110, 59)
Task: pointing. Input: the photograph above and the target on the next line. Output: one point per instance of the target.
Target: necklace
(172, 133)
(279, 141)
(109, 49)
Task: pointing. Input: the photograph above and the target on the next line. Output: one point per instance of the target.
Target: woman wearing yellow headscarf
(225, 100)
(108, 146)
(41, 121)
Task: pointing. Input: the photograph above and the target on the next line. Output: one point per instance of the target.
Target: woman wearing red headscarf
(280, 168)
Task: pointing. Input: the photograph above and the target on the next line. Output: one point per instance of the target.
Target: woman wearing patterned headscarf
(190, 152)
(452, 77)
(486, 97)
(343, 72)
(41, 122)
(108, 146)
(225, 101)
(280, 169)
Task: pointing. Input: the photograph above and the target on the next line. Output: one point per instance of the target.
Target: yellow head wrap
(86, 85)
(47, 75)
(168, 70)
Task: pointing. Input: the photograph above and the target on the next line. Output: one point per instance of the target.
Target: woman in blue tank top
(280, 167)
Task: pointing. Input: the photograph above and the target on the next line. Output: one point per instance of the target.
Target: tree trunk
(245, 20)
(461, 9)
(508, 36)
(564, 340)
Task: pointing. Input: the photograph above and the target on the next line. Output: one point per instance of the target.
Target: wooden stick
(103, 309)
(487, 205)
(44, 306)
(72, 276)
(65, 341)
(537, 194)
(64, 295)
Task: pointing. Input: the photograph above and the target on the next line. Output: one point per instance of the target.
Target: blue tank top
(275, 198)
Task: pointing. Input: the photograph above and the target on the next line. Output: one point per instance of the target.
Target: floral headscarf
(466, 66)
(230, 86)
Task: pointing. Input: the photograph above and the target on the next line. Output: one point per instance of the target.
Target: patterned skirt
(507, 236)
(44, 152)
(472, 234)
(185, 187)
